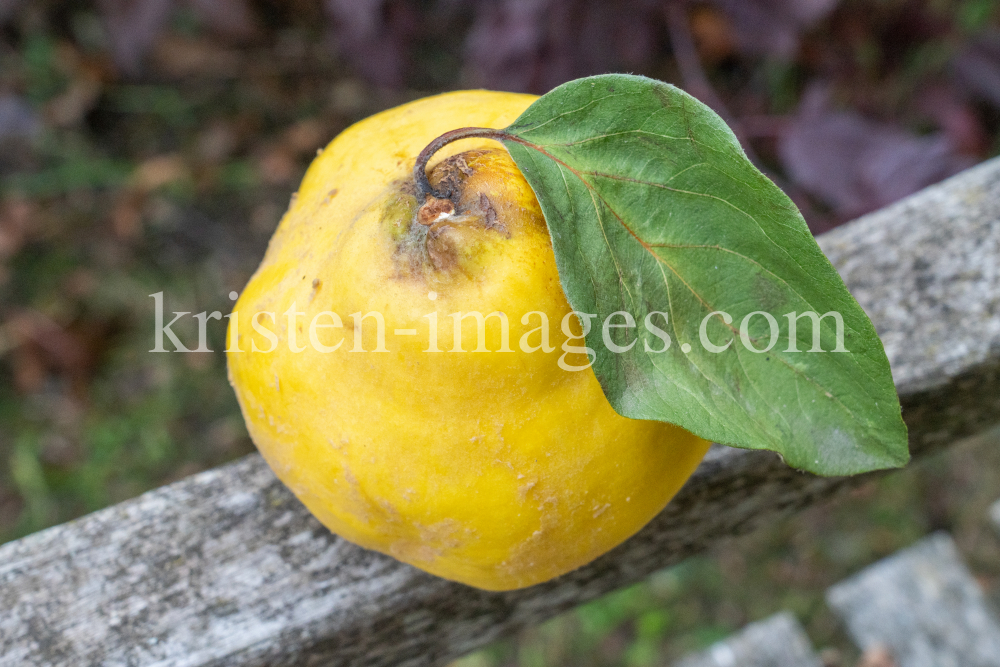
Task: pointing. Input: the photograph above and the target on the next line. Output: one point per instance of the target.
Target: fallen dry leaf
(217, 142)
(277, 165)
(133, 26)
(713, 34)
(305, 136)
(535, 45)
(957, 117)
(773, 27)
(43, 347)
(375, 36)
(158, 171)
(17, 119)
(15, 226)
(178, 57)
(70, 107)
(877, 656)
(7, 9)
(977, 67)
(233, 19)
(856, 164)
(126, 215)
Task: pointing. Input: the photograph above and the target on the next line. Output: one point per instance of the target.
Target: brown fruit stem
(424, 188)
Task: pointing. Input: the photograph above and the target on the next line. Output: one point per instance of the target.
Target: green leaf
(654, 208)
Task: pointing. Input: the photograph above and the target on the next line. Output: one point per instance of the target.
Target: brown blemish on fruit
(490, 216)
(434, 210)
(524, 555)
(446, 535)
(448, 175)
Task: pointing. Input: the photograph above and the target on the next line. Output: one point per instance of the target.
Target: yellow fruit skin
(500, 469)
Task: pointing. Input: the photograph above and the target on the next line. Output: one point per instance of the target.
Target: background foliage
(152, 145)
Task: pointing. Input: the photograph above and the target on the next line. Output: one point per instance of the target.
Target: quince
(496, 461)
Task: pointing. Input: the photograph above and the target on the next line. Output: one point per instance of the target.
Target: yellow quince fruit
(480, 450)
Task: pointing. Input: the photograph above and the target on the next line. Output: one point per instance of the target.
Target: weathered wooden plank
(778, 641)
(227, 568)
(923, 606)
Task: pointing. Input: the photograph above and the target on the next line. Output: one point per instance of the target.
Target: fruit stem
(420, 168)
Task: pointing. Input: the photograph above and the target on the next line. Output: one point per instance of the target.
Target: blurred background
(152, 145)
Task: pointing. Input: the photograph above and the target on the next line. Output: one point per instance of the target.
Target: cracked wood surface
(227, 568)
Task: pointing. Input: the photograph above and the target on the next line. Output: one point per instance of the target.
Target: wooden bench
(227, 568)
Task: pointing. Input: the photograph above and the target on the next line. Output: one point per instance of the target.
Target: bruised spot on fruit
(398, 206)
(443, 248)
